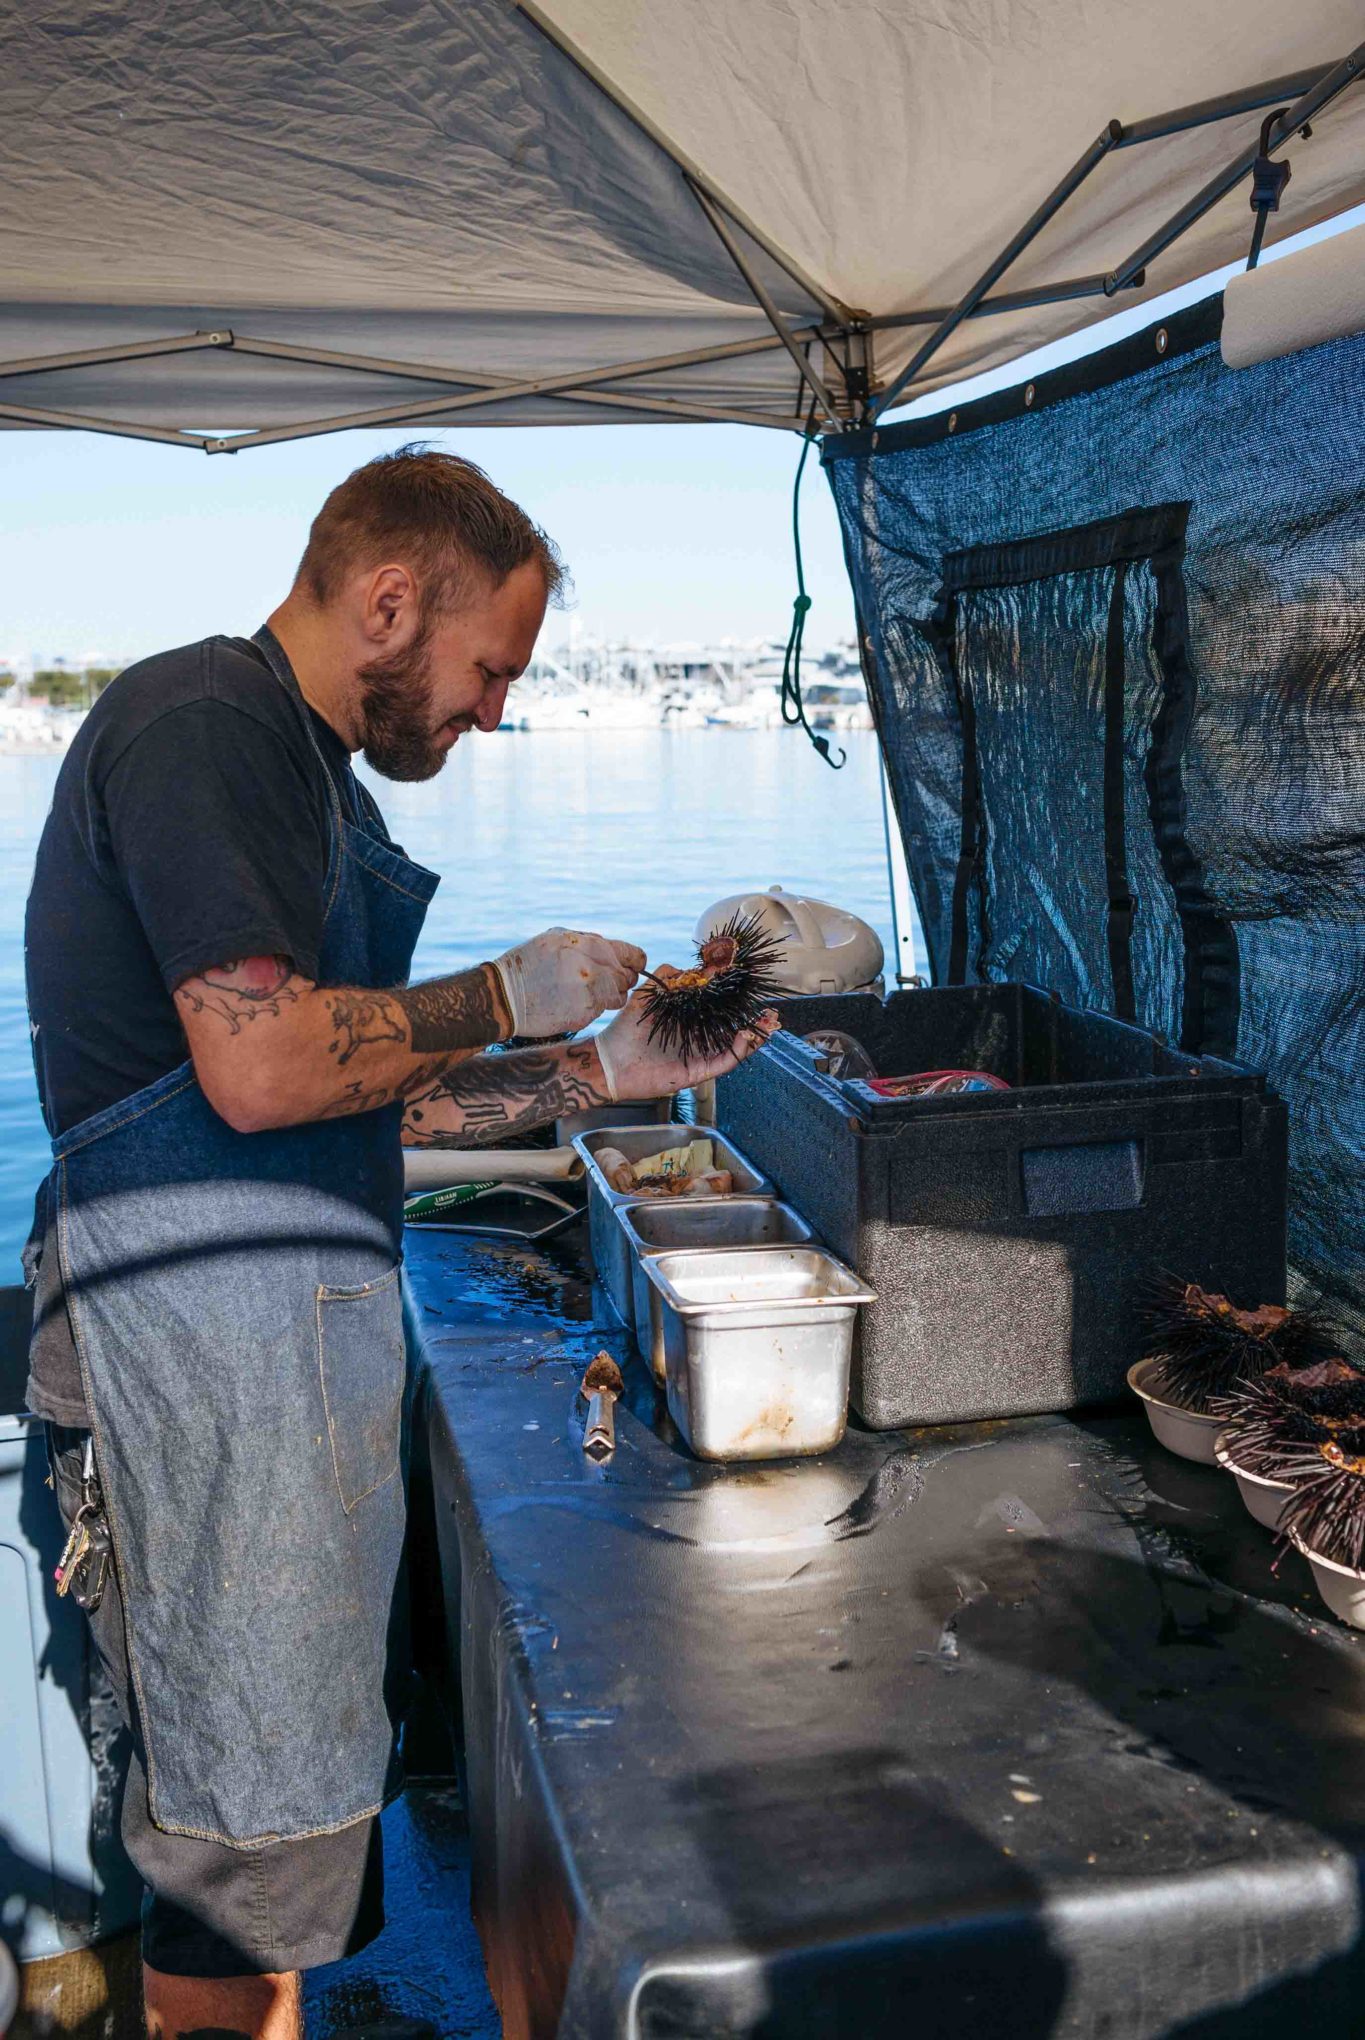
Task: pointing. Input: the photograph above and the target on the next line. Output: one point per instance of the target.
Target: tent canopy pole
(1316, 90)
(806, 368)
(117, 428)
(130, 350)
(480, 388)
(415, 410)
(1032, 227)
(1251, 99)
(1329, 84)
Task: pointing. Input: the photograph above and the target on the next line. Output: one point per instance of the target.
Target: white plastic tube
(1314, 295)
(438, 1168)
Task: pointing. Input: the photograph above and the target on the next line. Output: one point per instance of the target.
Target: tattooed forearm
(332, 1050)
(240, 991)
(467, 1011)
(492, 1097)
(359, 1097)
(361, 1020)
(451, 1015)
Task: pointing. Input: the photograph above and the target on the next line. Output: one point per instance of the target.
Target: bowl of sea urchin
(1200, 1347)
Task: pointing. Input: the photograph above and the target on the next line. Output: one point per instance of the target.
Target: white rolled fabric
(1304, 299)
(439, 1168)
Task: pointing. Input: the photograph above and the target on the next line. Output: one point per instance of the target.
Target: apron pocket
(363, 1364)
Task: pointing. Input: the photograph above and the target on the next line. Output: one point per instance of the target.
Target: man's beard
(395, 711)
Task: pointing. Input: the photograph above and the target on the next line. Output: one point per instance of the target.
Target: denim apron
(236, 1306)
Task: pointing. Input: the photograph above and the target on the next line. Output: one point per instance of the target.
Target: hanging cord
(793, 708)
(1268, 179)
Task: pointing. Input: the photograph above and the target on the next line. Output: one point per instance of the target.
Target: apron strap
(277, 659)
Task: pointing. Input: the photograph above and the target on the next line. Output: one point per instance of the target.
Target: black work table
(1002, 1729)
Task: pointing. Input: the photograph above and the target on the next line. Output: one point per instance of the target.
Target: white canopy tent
(228, 223)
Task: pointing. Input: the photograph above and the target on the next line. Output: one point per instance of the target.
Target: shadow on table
(980, 1956)
(1247, 1698)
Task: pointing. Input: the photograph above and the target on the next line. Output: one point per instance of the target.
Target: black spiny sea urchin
(1276, 1425)
(1326, 1512)
(697, 1013)
(1204, 1344)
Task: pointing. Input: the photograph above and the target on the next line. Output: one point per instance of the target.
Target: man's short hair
(434, 513)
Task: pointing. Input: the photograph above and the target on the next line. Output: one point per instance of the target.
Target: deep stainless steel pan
(656, 1226)
(611, 1256)
(757, 1344)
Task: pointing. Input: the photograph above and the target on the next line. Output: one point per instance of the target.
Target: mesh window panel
(1117, 643)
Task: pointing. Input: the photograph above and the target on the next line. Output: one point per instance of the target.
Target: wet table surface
(1002, 1729)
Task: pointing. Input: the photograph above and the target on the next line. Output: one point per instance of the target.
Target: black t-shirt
(189, 827)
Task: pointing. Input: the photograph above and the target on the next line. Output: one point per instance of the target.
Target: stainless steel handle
(599, 1436)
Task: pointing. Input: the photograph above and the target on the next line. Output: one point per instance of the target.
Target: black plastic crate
(1010, 1234)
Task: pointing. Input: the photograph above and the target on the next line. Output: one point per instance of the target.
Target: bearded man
(230, 1058)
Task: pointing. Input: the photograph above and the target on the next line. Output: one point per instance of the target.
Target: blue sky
(115, 547)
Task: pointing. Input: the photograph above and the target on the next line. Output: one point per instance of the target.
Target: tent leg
(902, 897)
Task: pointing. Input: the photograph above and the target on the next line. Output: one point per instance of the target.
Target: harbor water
(633, 832)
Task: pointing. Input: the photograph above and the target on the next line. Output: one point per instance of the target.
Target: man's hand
(560, 981)
(635, 1067)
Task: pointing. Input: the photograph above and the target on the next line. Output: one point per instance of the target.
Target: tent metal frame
(1310, 93)
(845, 337)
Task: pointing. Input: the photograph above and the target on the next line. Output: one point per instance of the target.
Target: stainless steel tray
(611, 1256)
(652, 1226)
(757, 1344)
(644, 1112)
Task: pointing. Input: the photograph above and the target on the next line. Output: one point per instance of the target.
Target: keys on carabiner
(75, 1548)
(83, 1568)
(90, 1574)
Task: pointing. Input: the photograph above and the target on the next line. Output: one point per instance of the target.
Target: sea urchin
(1277, 1424)
(696, 1013)
(1205, 1344)
(1326, 1512)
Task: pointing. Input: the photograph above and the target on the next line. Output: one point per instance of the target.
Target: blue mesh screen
(1117, 649)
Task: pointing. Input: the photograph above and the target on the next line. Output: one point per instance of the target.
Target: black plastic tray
(1010, 1235)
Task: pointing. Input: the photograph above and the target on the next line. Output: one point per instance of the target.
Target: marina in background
(588, 684)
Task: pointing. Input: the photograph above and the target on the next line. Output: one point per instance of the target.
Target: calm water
(630, 832)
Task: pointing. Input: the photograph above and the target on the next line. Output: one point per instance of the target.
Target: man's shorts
(210, 1910)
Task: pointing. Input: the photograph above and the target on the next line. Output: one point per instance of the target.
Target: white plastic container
(823, 948)
(1187, 1433)
(757, 1344)
(1341, 1588)
(1265, 1499)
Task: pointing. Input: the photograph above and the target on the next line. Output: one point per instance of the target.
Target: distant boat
(760, 709)
(27, 728)
(837, 705)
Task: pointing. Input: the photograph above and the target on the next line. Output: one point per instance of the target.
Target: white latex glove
(636, 1067)
(559, 981)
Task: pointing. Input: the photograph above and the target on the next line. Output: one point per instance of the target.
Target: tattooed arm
(492, 1097)
(270, 1048)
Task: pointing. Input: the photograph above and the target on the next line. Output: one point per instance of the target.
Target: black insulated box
(1010, 1235)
